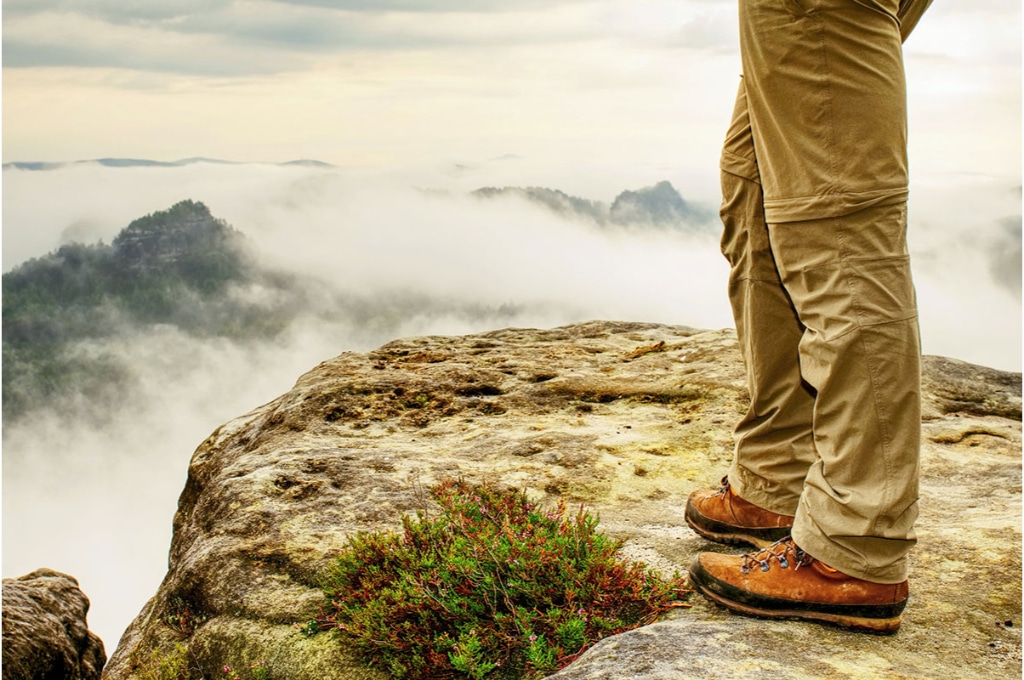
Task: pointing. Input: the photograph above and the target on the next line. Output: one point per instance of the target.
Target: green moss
(164, 666)
(287, 652)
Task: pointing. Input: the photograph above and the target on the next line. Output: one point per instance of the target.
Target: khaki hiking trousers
(814, 185)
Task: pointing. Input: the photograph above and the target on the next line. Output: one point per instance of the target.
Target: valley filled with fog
(90, 486)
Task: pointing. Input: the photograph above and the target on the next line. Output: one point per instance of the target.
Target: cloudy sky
(385, 82)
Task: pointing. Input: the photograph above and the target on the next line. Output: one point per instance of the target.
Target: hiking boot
(783, 582)
(724, 517)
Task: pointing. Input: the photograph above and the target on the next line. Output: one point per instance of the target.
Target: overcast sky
(399, 82)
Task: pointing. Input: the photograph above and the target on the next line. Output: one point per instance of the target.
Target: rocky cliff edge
(628, 418)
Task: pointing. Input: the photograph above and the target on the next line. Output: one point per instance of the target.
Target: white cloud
(95, 500)
(371, 232)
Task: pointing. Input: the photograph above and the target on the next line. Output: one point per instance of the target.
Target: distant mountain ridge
(659, 205)
(144, 163)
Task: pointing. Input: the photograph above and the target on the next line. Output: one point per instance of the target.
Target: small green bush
(494, 587)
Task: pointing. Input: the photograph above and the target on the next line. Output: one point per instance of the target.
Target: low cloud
(418, 231)
(377, 261)
(381, 257)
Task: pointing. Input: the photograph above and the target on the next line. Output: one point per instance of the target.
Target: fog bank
(388, 255)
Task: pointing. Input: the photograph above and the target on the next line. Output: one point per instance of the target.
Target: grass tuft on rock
(493, 587)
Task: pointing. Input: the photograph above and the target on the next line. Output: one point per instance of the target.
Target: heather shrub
(492, 587)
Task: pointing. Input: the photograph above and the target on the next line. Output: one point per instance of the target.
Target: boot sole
(860, 624)
(720, 532)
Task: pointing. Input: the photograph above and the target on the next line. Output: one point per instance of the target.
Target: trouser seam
(753, 279)
(876, 324)
(842, 259)
(860, 325)
(828, 100)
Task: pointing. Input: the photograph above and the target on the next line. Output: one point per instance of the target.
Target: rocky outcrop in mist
(45, 633)
(627, 418)
(186, 242)
(658, 206)
(174, 267)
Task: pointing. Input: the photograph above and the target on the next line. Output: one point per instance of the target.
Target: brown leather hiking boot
(783, 582)
(724, 517)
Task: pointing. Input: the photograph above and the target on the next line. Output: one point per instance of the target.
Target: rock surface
(45, 634)
(627, 418)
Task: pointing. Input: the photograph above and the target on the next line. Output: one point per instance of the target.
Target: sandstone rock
(628, 418)
(45, 634)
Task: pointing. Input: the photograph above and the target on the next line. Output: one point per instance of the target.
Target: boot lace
(785, 552)
(725, 487)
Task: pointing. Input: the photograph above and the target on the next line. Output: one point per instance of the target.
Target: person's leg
(850, 280)
(829, 125)
(827, 104)
(774, 445)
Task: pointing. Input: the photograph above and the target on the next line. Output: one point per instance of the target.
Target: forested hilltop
(142, 270)
(86, 324)
(174, 267)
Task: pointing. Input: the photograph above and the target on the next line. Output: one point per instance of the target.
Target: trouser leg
(824, 80)
(849, 278)
(827, 102)
(774, 446)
